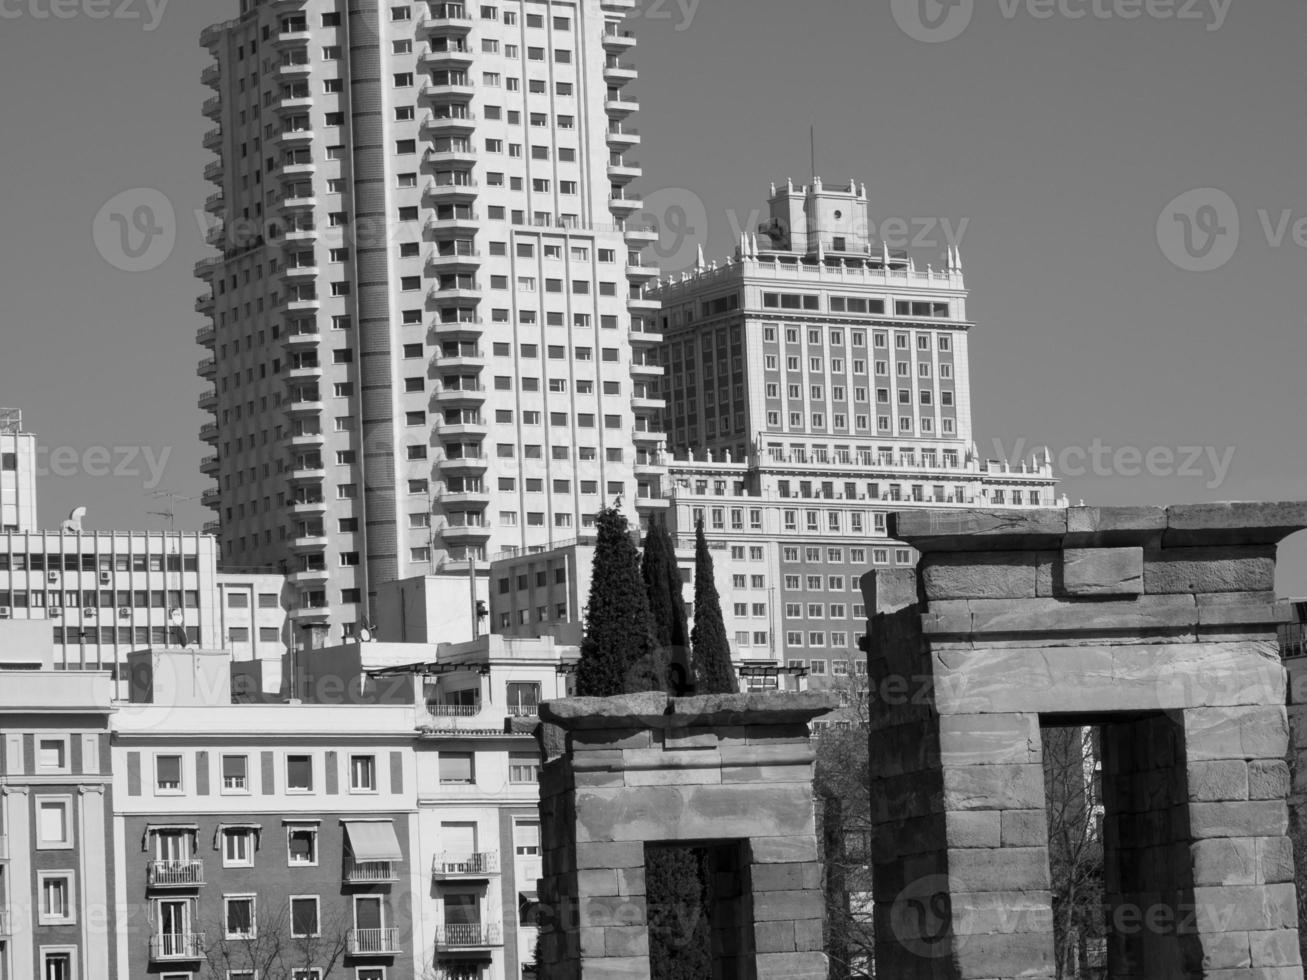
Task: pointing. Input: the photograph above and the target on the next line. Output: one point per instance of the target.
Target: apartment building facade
(420, 335)
(815, 382)
(18, 467)
(57, 878)
(104, 594)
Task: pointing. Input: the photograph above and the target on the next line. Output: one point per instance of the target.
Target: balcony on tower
(619, 104)
(213, 140)
(623, 202)
(448, 86)
(212, 107)
(451, 255)
(211, 76)
(456, 356)
(452, 150)
(446, 20)
(452, 185)
(621, 137)
(446, 53)
(621, 170)
(459, 392)
(294, 31)
(618, 72)
(446, 120)
(618, 40)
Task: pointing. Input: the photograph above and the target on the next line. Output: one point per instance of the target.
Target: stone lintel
(658, 711)
(1186, 526)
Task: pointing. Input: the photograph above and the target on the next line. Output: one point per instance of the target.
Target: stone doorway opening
(700, 909)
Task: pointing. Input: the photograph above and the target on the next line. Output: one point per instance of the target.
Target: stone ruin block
(1157, 625)
(730, 773)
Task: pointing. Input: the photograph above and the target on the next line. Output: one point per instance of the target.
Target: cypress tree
(662, 580)
(618, 653)
(713, 672)
(680, 947)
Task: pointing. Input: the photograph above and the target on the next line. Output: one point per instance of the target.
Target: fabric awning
(373, 840)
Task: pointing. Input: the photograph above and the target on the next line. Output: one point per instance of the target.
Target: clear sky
(1053, 135)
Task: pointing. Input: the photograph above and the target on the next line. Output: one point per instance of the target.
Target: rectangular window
(237, 847)
(363, 773)
(55, 890)
(168, 774)
(304, 916)
(52, 754)
(239, 917)
(457, 767)
(523, 767)
(235, 774)
(302, 845)
(299, 774)
(53, 826)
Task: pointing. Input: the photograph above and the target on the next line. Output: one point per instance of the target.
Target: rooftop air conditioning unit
(124, 612)
(104, 578)
(52, 577)
(88, 612)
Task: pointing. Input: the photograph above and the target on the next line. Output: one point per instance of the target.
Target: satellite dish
(177, 618)
(365, 635)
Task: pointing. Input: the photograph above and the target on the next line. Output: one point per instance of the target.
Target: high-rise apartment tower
(422, 345)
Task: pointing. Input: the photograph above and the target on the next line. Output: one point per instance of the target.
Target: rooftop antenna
(812, 143)
(171, 513)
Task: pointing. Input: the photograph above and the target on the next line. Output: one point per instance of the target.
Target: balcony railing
(468, 934)
(454, 710)
(177, 946)
(363, 942)
(370, 872)
(176, 874)
(478, 865)
(4, 847)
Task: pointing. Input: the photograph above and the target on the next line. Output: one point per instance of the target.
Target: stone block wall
(732, 773)
(1156, 624)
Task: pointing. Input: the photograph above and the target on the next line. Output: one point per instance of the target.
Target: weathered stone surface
(1107, 677)
(994, 739)
(1218, 781)
(654, 813)
(786, 877)
(993, 787)
(1209, 570)
(1268, 780)
(1190, 525)
(977, 828)
(979, 530)
(1103, 571)
(658, 711)
(1225, 861)
(1025, 828)
(619, 855)
(788, 966)
(782, 850)
(1001, 575)
(889, 590)
(1258, 731)
(1261, 818)
(1053, 615)
(1109, 527)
